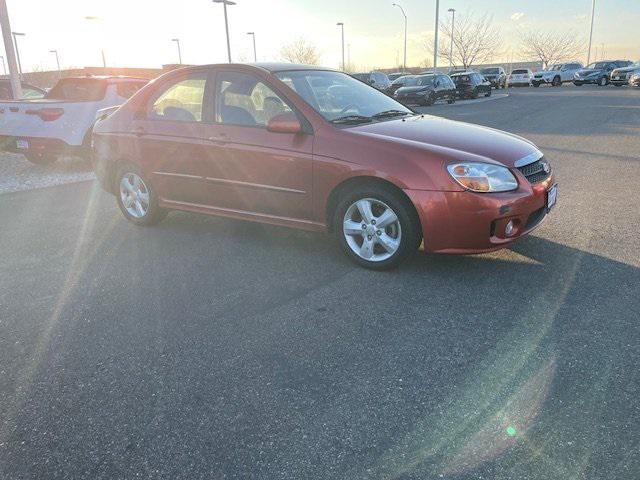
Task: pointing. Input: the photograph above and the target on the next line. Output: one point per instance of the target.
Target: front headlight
(483, 177)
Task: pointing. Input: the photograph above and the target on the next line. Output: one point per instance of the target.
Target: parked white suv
(556, 74)
(61, 122)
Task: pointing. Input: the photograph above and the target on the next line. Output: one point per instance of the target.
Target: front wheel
(451, 100)
(41, 158)
(535, 84)
(602, 82)
(556, 82)
(377, 228)
(488, 94)
(136, 198)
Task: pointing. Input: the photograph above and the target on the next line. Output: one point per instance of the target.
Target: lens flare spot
(511, 430)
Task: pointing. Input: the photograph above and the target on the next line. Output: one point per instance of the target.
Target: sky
(138, 33)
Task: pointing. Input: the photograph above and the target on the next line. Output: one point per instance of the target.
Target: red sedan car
(316, 149)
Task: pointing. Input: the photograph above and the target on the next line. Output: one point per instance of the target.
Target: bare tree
(550, 47)
(300, 51)
(474, 40)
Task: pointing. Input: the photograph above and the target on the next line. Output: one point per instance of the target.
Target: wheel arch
(357, 182)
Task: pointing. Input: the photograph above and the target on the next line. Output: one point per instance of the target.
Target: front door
(249, 169)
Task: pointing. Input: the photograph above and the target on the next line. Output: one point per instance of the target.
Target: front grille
(534, 172)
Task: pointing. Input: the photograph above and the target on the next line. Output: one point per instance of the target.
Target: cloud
(517, 16)
(582, 16)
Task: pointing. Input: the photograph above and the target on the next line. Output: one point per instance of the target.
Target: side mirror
(284, 123)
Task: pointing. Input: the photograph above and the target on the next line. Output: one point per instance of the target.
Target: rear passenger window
(180, 101)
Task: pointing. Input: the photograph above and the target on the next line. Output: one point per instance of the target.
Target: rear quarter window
(78, 90)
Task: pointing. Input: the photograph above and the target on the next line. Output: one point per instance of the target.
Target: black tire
(474, 94)
(154, 213)
(603, 81)
(41, 158)
(411, 233)
(451, 100)
(488, 94)
(535, 84)
(556, 82)
(577, 84)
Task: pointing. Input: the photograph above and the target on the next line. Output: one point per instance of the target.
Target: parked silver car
(557, 74)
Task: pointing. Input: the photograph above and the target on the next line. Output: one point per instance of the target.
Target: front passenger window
(181, 101)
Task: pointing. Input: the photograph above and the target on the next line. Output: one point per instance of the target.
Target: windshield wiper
(352, 119)
(390, 113)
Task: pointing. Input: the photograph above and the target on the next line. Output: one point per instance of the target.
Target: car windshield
(461, 79)
(404, 80)
(425, 80)
(519, 72)
(490, 71)
(557, 66)
(337, 96)
(597, 65)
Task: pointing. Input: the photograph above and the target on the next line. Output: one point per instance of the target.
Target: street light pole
(404, 68)
(453, 25)
(15, 41)
(435, 40)
(226, 23)
(5, 24)
(255, 55)
(4, 68)
(177, 40)
(593, 11)
(57, 58)
(341, 25)
(98, 19)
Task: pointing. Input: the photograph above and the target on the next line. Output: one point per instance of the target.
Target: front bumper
(586, 80)
(541, 80)
(466, 222)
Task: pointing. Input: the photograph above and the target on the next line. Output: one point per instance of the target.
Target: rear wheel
(535, 84)
(377, 228)
(136, 198)
(451, 99)
(41, 158)
(488, 94)
(603, 81)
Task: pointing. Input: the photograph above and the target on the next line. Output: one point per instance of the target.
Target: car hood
(413, 89)
(451, 138)
(626, 69)
(588, 71)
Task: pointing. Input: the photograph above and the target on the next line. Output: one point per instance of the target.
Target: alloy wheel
(134, 195)
(372, 230)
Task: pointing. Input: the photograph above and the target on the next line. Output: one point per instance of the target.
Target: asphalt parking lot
(218, 349)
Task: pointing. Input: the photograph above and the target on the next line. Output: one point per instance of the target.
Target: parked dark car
(622, 76)
(453, 71)
(598, 73)
(496, 76)
(404, 81)
(28, 91)
(252, 142)
(427, 90)
(471, 85)
(377, 80)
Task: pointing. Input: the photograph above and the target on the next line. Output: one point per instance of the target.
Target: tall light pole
(5, 24)
(435, 39)
(341, 25)
(226, 23)
(4, 68)
(404, 68)
(453, 25)
(15, 41)
(57, 58)
(593, 11)
(104, 59)
(255, 55)
(177, 40)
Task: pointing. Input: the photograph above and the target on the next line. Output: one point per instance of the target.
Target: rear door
(171, 138)
(249, 169)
